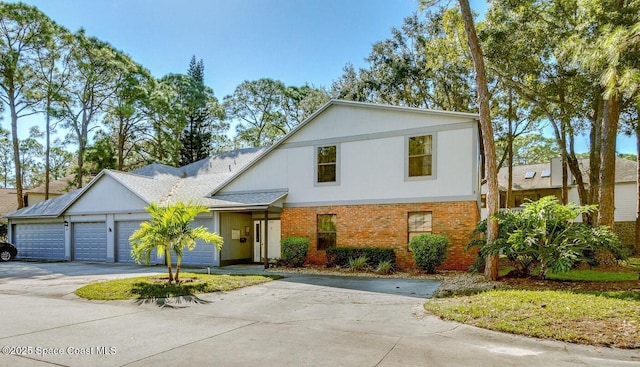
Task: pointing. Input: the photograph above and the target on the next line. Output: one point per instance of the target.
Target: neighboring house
(534, 181)
(56, 188)
(352, 174)
(8, 202)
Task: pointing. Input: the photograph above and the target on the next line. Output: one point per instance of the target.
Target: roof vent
(546, 173)
(530, 174)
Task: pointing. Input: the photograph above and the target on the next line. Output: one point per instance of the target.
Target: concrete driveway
(288, 322)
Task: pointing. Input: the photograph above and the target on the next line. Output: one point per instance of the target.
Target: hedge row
(339, 256)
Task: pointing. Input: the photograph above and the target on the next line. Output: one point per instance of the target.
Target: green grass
(583, 275)
(593, 276)
(156, 286)
(597, 318)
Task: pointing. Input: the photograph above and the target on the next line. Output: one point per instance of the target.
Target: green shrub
(384, 267)
(429, 251)
(358, 264)
(544, 236)
(294, 250)
(339, 256)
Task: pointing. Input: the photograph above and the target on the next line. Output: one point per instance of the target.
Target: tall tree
(424, 64)
(601, 47)
(95, 66)
(202, 114)
(526, 50)
(301, 102)
(127, 112)
(23, 30)
(486, 128)
(6, 157)
(31, 152)
(257, 105)
(161, 142)
(51, 74)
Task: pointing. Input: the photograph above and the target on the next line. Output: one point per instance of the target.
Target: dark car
(7, 251)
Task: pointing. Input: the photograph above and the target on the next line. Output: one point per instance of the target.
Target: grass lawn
(581, 306)
(566, 316)
(155, 286)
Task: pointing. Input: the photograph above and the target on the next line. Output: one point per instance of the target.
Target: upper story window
(327, 164)
(420, 156)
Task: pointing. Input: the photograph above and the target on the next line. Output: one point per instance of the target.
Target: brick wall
(385, 225)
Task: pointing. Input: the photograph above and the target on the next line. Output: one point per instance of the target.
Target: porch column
(266, 239)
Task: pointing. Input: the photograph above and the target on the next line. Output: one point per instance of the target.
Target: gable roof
(321, 110)
(156, 183)
(51, 208)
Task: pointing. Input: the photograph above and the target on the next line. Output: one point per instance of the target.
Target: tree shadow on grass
(163, 295)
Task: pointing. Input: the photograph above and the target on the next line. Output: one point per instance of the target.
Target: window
(326, 231)
(546, 173)
(530, 174)
(420, 155)
(327, 164)
(419, 223)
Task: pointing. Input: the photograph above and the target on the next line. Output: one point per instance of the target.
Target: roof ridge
(172, 192)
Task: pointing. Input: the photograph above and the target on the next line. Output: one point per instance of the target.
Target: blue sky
(294, 41)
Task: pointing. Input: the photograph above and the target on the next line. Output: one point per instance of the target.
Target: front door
(259, 240)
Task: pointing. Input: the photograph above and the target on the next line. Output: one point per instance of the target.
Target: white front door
(259, 240)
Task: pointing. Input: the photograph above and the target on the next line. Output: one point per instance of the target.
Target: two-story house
(352, 174)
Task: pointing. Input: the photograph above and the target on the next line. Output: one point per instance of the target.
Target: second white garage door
(90, 241)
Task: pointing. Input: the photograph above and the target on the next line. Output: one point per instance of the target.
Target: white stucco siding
(341, 120)
(106, 196)
(368, 170)
(269, 174)
(372, 158)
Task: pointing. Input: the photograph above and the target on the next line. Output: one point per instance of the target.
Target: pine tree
(199, 111)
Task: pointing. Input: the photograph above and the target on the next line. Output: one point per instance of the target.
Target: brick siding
(385, 225)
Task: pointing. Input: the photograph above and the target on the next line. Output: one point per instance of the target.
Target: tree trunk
(594, 152)
(47, 153)
(491, 265)
(611, 114)
(121, 141)
(167, 256)
(177, 277)
(16, 150)
(637, 244)
(509, 157)
(565, 178)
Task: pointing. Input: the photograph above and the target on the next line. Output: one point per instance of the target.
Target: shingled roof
(160, 183)
(530, 176)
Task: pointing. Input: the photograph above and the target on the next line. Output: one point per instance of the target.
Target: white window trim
(315, 166)
(434, 158)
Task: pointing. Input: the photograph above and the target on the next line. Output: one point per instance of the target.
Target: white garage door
(43, 241)
(204, 254)
(124, 230)
(90, 241)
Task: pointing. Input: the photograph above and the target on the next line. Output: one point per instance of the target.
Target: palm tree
(169, 231)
